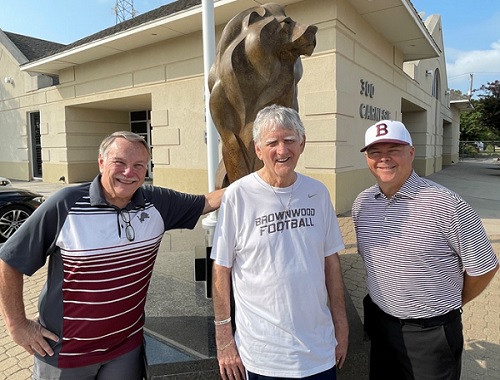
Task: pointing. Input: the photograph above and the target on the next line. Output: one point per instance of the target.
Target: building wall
(94, 99)
(16, 101)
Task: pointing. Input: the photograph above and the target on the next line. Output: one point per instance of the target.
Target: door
(36, 145)
(140, 123)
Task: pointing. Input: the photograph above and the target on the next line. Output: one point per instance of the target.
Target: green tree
(471, 126)
(482, 123)
(490, 108)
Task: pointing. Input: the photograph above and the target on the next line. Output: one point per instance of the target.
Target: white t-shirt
(284, 327)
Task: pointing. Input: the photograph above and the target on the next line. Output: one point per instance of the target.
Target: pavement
(478, 181)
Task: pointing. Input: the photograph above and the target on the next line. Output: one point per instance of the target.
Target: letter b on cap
(382, 129)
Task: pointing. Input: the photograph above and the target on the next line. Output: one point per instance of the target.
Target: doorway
(140, 123)
(36, 144)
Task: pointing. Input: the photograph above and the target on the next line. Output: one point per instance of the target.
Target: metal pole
(212, 135)
(210, 221)
(471, 78)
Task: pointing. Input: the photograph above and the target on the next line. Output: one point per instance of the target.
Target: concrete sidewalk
(477, 181)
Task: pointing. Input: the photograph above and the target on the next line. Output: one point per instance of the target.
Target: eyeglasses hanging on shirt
(129, 230)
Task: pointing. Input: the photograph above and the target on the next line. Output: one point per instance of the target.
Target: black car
(16, 205)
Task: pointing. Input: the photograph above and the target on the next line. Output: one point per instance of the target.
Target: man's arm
(336, 295)
(11, 295)
(230, 363)
(26, 333)
(212, 200)
(474, 285)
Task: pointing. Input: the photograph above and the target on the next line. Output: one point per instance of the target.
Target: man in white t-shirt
(276, 245)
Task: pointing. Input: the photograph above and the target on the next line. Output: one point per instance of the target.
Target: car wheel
(11, 218)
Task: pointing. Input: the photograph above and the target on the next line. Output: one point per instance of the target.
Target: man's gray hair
(127, 135)
(276, 116)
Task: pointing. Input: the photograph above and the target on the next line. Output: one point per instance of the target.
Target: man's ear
(412, 152)
(100, 162)
(303, 145)
(258, 152)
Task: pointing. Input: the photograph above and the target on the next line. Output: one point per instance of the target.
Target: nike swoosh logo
(311, 195)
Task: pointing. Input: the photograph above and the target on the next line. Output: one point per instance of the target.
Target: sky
(471, 29)
(471, 33)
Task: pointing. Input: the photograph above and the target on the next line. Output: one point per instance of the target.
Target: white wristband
(223, 322)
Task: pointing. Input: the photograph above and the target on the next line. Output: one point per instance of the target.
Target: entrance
(140, 123)
(36, 144)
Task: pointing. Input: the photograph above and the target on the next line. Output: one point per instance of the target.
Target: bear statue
(257, 64)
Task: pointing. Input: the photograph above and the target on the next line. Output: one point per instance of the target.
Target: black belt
(423, 322)
(431, 321)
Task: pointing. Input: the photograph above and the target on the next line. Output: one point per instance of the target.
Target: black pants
(330, 374)
(409, 350)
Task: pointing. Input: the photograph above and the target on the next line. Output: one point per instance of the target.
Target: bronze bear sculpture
(257, 64)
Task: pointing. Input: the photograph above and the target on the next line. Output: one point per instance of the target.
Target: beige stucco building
(373, 60)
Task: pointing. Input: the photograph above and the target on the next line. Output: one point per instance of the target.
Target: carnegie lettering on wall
(369, 111)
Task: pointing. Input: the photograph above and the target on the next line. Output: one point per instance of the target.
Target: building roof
(33, 48)
(455, 96)
(406, 31)
(462, 102)
(163, 11)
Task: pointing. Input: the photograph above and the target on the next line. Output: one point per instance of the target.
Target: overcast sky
(471, 29)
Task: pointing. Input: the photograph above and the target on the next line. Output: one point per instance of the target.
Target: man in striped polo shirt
(101, 240)
(426, 254)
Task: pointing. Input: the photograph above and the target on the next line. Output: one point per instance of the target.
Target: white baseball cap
(387, 131)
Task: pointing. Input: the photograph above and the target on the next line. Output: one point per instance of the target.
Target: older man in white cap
(426, 254)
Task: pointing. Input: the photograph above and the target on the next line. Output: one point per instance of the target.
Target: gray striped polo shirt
(416, 246)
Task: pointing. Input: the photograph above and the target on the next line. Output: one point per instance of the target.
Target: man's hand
(230, 363)
(342, 336)
(33, 337)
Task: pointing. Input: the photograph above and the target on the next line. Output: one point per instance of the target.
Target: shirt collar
(409, 188)
(97, 197)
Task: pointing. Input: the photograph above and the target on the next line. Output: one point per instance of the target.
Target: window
(436, 85)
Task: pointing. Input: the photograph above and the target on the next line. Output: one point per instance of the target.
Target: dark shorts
(330, 374)
(423, 349)
(128, 366)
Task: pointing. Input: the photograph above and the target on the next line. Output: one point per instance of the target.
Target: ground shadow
(481, 360)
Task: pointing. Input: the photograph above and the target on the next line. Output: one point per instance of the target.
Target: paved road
(477, 181)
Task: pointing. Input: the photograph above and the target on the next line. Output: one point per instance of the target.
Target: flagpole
(208, 59)
(208, 223)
